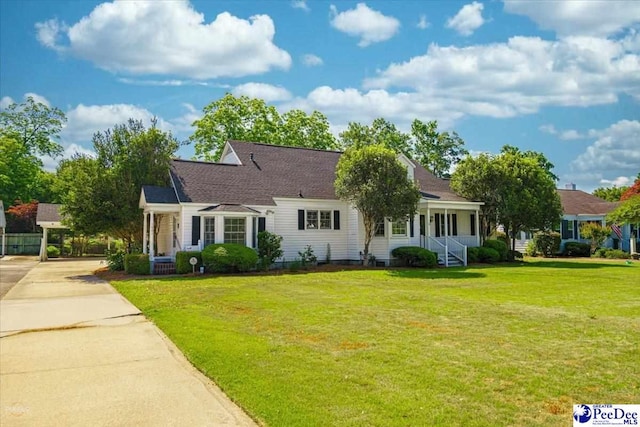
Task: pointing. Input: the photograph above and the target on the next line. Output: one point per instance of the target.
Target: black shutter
(411, 226)
(422, 225)
(473, 224)
(254, 238)
(300, 219)
(565, 229)
(454, 219)
(336, 220)
(437, 219)
(575, 229)
(195, 230)
(262, 224)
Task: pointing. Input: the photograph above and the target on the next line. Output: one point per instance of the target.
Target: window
(209, 231)
(234, 230)
(318, 220)
(399, 228)
(325, 220)
(312, 220)
(379, 229)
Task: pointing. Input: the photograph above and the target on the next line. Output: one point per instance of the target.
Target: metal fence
(22, 243)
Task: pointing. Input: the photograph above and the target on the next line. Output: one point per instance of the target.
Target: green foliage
(245, 119)
(498, 235)
(182, 261)
(472, 254)
(53, 252)
(547, 243)
(576, 249)
(499, 246)
(436, 151)
(610, 253)
(381, 132)
(374, 181)
(610, 194)
(115, 260)
(488, 255)
(595, 232)
(229, 258)
(415, 256)
(269, 248)
(628, 212)
(18, 170)
(515, 255)
(532, 249)
(307, 257)
(137, 264)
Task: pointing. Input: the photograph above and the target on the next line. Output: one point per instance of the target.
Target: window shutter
(575, 229)
(437, 220)
(411, 226)
(422, 225)
(300, 219)
(565, 229)
(454, 220)
(262, 224)
(472, 218)
(195, 230)
(336, 220)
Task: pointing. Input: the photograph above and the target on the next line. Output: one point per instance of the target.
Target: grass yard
(482, 346)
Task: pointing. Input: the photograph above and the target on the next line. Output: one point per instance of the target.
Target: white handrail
(440, 249)
(461, 249)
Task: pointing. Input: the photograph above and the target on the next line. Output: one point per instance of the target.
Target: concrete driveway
(75, 352)
(12, 269)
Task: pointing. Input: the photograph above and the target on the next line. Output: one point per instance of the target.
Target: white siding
(164, 235)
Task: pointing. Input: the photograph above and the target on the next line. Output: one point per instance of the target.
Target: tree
(610, 194)
(381, 132)
(34, 125)
(373, 180)
(436, 151)
(632, 191)
(246, 119)
(18, 170)
(21, 217)
(628, 212)
(594, 232)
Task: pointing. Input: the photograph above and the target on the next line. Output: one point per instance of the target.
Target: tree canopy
(632, 191)
(436, 151)
(628, 212)
(374, 181)
(610, 194)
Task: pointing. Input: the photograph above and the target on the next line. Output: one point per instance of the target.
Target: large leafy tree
(595, 233)
(632, 191)
(247, 119)
(436, 151)
(18, 170)
(628, 212)
(610, 194)
(375, 183)
(380, 132)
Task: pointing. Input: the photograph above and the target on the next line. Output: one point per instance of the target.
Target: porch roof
(48, 216)
(229, 208)
(155, 194)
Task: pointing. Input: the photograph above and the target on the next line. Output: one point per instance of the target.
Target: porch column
(151, 235)
(43, 245)
(428, 221)
(446, 238)
(145, 232)
(477, 227)
(248, 235)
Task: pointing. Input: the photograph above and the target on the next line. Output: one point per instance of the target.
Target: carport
(48, 217)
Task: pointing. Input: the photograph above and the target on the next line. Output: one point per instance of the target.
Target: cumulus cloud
(311, 60)
(620, 181)
(468, 19)
(7, 100)
(521, 75)
(423, 23)
(300, 4)
(368, 24)
(267, 92)
(167, 37)
(578, 17)
(50, 164)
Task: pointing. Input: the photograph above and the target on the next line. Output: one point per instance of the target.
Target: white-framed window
(399, 228)
(379, 230)
(209, 230)
(312, 220)
(235, 230)
(325, 220)
(318, 220)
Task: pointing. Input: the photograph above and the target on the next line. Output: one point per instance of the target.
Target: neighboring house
(47, 217)
(579, 207)
(289, 191)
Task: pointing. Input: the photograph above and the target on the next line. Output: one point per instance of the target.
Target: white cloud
(521, 75)
(169, 82)
(613, 155)
(468, 19)
(267, 92)
(300, 4)
(50, 164)
(578, 17)
(423, 23)
(368, 24)
(124, 36)
(620, 181)
(311, 60)
(550, 129)
(5, 102)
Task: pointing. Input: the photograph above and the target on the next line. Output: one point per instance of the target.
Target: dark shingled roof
(577, 202)
(48, 212)
(155, 194)
(229, 208)
(275, 171)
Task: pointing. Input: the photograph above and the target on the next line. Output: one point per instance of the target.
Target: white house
(289, 191)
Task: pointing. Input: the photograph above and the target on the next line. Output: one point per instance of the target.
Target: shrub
(307, 257)
(269, 248)
(415, 256)
(515, 255)
(137, 264)
(531, 250)
(499, 246)
(601, 252)
(472, 255)
(617, 254)
(547, 242)
(53, 252)
(502, 237)
(229, 258)
(115, 260)
(182, 261)
(488, 255)
(576, 249)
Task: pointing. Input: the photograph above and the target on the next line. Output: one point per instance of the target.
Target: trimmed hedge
(499, 246)
(612, 253)
(415, 256)
(547, 243)
(53, 252)
(137, 264)
(488, 255)
(182, 261)
(472, 255)
(576, 249)
(229, 258)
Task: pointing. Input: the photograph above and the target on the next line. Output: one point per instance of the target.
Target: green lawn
(482, 346)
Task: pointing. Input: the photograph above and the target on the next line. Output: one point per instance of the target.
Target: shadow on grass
(583, 265)
(437, 273)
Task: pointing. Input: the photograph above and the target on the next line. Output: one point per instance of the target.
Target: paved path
(75, 352)
(12, 269)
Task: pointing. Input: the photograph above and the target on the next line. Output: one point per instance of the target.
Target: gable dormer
(229, 156)
(409, 164)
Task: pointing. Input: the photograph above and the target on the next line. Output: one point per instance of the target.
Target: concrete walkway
(75, 352)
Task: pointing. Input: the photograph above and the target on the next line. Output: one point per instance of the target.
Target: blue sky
(560, 77)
